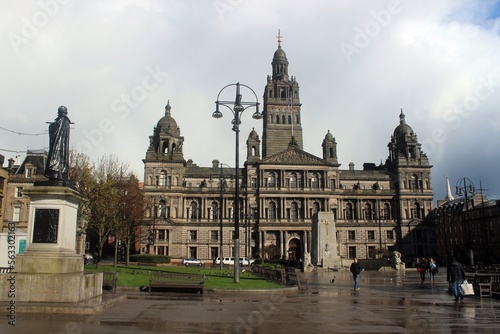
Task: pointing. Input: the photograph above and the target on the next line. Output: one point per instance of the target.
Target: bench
(109, 280)
(5, 270)
(147, 264)
(293, 279)
(177, 281)
(484, 283)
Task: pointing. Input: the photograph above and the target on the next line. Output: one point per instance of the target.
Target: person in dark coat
(356, 272)
(456, 275)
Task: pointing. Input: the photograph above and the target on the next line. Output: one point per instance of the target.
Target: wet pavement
(388, 302)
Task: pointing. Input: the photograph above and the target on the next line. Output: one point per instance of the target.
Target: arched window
(214, 211)
(283, 118)
(368, 211)
(193, 210)
(314, 180)
(277, 119)
(387, 211)
(315, 208)
(293, 180)
(348, 211)
(414, 182)
(289, 119)
(272, 180)
(162, 209)
(415, 212)
(294, 211)
(272, 211)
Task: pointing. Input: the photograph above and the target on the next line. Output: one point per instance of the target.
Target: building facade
(20, 178)
(377, 209)
(469, 229)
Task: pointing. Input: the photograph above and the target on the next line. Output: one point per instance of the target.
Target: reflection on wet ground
(388, 302)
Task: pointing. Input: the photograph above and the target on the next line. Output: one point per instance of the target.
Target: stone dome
(402, 130)
(329, 136)
(279, 55)
(253, 135)
(167, 124)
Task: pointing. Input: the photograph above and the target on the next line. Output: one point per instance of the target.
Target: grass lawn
(216, 279)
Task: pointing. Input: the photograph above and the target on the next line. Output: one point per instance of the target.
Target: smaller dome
(403, 129)
(329, 136)
(280, 55)
(167, 123)
(253, 135)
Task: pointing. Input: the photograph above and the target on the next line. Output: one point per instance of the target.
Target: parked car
(87, 258)
(192, 262)
(245, 261)
(225, 260)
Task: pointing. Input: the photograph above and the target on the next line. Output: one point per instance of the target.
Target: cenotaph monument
(324, 251)
(50, 270)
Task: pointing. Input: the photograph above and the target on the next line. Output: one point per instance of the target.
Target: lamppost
(237, 109)
(465, 187)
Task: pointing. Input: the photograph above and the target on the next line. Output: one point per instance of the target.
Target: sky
(115, 64)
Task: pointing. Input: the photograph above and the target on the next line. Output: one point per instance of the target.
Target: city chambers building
(377, 209)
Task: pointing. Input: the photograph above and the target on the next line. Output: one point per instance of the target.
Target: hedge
(150, 258)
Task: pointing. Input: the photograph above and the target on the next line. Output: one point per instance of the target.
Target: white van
(225, 260)
(245, 261)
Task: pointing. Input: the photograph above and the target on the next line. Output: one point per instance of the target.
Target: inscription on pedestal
(45, 226)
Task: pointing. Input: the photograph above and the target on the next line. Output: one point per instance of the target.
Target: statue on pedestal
(58, 159)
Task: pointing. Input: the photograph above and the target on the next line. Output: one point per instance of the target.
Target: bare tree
(80, 173)
(104, 198)
(132, 209)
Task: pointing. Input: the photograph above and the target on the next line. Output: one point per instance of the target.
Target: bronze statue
(58, 159)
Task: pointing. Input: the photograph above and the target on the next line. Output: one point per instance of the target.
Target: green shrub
(150, 258)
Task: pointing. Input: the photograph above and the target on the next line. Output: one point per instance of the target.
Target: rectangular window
(371, 235)
(351, 235)
(193, 252)
(160, 250)
(161, 235)
(193, 235)
(18, 192)
(16, 217)
(214, 252)
(390, 235)
(352, 252)
(371, 252)
(214, 235)
(29, 172)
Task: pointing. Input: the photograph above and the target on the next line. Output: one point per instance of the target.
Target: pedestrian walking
(456, 275)
(356, 272)
(433, 270)
(422, 267)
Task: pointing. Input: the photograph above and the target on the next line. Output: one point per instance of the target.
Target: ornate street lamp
(237, 107)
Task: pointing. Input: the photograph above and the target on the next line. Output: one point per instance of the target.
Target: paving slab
(388, 302)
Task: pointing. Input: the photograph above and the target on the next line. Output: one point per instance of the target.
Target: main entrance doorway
(294, 249)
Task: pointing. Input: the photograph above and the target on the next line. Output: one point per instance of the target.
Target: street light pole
(464, 187)
(238, 107)
(221, 185)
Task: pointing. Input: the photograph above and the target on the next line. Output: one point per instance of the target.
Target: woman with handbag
(456, 275)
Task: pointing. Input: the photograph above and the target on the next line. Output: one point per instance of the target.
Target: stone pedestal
(324, 251)
(50, 270)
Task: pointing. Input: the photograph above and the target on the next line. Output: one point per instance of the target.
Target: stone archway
(272, 252)
(294, 249)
